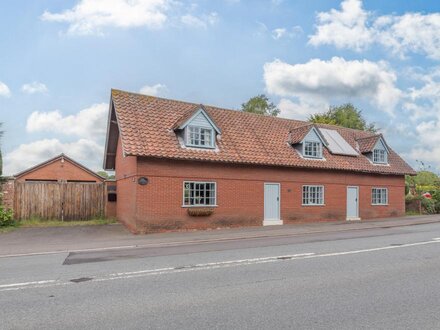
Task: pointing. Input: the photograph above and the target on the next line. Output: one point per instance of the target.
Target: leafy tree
(261, 105)
(423, 178)
(346, 115)
(105, 175)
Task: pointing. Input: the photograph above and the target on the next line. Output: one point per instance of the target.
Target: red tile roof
(147, 124)
(367, 144)
(297, 134)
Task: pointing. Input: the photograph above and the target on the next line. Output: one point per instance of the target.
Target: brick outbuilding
(183, 165)
(60, 169)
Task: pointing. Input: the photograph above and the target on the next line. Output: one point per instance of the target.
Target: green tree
(105, 175)
(261, 105)
(423, 178)
(346, 115)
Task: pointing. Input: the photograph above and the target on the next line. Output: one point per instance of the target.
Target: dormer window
(197, 130)
(200, 137)
(380, 156)
(312, 149)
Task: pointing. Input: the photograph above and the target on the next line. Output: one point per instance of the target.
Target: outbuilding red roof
(146, 125)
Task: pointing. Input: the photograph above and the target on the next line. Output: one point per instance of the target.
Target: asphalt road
(386, 278)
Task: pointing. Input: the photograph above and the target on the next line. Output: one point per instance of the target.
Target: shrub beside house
(422, 193)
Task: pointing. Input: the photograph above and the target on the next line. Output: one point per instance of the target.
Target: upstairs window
(312, 149)
(379, 196)
(313, 195)
(200, 137)
(380, 156)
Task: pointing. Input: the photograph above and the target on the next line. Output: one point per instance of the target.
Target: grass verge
(58, 223)
(32, 223)
(409, 213)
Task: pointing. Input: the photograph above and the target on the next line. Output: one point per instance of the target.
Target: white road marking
(25, 283)
(205, 266)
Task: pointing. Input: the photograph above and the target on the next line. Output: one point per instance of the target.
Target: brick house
(184, 165)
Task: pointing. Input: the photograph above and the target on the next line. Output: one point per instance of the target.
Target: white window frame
(199, 133)
(380, 156)
(199, 205)
(374, 198)
(316, 148)
(307, 202)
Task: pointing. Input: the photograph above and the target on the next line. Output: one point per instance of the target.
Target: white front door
(272, 204)
(353, 203)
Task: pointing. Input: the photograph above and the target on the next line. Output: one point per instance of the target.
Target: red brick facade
(240, 193)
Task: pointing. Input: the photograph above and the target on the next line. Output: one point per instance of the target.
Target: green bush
(6, 217)
(429, 205)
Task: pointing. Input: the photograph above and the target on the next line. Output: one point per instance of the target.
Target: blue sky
(59, 60)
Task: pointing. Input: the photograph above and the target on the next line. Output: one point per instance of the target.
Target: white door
(272, 204)
(353, 203)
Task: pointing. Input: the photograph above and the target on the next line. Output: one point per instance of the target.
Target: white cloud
(354, 28)
(88, 123)
(411, 32)
(26, 155)
(155, 90)
(301, 110)
(337, 78)
(93, 16)
(280, 33)
(4, 90)
(427, 147)
(202, 21)
(423, 103)
(34, 87)
(423, 106)
(345, 28)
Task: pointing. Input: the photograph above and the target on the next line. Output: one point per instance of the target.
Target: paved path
(385, 277)
(62, 239)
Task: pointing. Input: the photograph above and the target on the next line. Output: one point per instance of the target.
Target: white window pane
(199, 193)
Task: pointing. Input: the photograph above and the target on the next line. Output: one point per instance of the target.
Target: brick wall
(59, 170)
(240, 194)
(8, 194)
(126, 189)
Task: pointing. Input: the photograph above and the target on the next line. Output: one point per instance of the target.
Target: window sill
(199, 147)
(379, 204)
(312, 204)
(199, 206)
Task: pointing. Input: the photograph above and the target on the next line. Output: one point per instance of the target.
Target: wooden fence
(59, 200)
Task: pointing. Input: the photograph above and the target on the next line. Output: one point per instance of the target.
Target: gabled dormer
(197, 129)
(380, 152)
(375, 149)
(308, 141)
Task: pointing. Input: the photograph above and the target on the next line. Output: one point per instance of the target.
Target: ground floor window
(313, 195)
(199, 193)
(379, 196)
